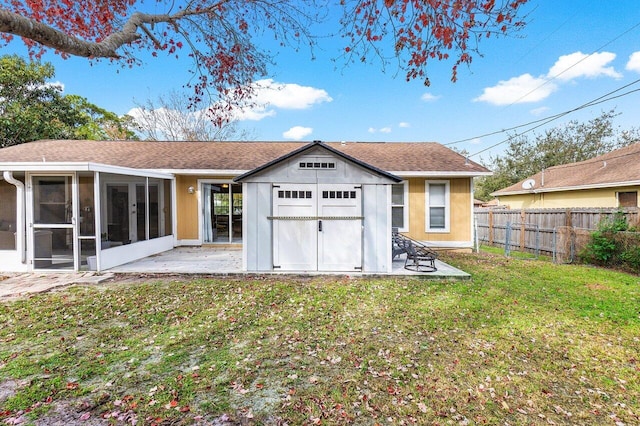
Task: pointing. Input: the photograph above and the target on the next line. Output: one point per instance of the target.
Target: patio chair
(397, 244)
(419, 258)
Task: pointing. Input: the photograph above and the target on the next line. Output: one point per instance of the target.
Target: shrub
(631, 258)
(602, 248)
(614, 244)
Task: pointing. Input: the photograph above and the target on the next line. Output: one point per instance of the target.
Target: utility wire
(602, 99)
(546, 119)
(549, 80)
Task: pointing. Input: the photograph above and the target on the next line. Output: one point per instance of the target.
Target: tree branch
(12, 23)
(15, 24)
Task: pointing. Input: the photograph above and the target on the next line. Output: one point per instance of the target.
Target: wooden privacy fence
(560, 233)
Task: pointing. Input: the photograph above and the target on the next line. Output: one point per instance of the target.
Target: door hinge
(276, 267)
(358, 267)
(357, 187)
(275, 186)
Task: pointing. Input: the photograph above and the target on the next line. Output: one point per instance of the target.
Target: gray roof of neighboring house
(617, 168)
(238, 156)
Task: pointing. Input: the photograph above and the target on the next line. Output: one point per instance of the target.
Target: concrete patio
(185, 260)
(227, 261)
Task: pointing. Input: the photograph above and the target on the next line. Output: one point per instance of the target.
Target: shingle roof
(236, 156)
(619, 167)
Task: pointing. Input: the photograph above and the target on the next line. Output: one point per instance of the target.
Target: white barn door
(340, 227)
(317, 227)
(295, 235)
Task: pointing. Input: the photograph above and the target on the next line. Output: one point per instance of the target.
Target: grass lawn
(522, 342)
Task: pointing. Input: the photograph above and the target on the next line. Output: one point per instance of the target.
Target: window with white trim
(437, 209)
(400, 206)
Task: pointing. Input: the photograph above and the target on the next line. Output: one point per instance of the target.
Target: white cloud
(428, 97)
(527, 88)
(256, 113)
(386, 129)
(288, 95)
(475, 141)
(297, 133)
(404, 125)
(271, 95)
(634, 62)
(539, 111)
(578, 64)
(516, 90)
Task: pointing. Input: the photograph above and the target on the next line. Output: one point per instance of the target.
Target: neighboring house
(610, 180)
(80, 205)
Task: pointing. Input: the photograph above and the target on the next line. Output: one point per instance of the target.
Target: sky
(570, 53)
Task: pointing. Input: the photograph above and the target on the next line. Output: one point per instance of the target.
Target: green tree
(571, 143)
(32, 108)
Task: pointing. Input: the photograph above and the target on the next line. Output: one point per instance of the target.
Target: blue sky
(570, 53)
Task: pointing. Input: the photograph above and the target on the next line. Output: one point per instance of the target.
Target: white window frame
(447, 206)
(405, 205)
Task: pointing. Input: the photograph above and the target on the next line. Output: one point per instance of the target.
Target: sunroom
(82, 216)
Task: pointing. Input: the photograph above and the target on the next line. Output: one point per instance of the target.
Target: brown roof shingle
(389, 156)
(617, 167)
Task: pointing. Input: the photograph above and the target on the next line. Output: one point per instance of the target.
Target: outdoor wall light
(191, 189)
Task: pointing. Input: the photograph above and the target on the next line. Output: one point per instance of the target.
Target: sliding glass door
(221, 213)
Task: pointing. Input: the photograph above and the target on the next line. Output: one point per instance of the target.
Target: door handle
(320, 226)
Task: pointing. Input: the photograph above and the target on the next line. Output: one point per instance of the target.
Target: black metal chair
(397, 244)
(420, 258)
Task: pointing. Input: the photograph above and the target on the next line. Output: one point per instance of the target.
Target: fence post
(572, 238)
(491, 227)
(507, 240)
(555, 244)
(567, 218)
(523, 231)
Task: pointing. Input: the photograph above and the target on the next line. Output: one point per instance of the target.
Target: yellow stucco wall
(587, 198)
(187, 204)
(187, 211)
(460, 211)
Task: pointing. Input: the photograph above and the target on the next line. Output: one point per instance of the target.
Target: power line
(580, 61)
(602, 99)
(550, 117)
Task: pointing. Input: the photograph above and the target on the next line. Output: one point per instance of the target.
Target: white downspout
(20, 219)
